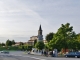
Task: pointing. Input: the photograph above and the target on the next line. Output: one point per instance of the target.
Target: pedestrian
(47, 53)
(53, 53)
(42, 52)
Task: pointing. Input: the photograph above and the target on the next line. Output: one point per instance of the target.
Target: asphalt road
(15, 58)
(19, 55)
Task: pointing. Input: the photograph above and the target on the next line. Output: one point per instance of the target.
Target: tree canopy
(8, 43)
(65, 37)
(49, 36)
(39, 45)
(13, 42)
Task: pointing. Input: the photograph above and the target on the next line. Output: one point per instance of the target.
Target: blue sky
(20, 19)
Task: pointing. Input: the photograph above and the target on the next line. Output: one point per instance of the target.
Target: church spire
(40, 28)
(40, 36)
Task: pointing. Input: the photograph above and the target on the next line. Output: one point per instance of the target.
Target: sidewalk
(33, 53)
(39, 54)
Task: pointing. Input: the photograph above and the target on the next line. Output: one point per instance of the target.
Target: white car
(6, 52)
(2, 51)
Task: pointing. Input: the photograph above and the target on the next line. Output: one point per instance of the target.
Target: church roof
(40, 28)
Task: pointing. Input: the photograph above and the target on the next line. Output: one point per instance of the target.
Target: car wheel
(75, 56)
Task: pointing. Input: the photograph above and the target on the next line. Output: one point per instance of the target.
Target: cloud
(19, 21)
(21, 18)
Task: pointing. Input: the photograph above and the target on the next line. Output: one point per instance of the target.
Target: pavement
(34, 53)
(20, 55)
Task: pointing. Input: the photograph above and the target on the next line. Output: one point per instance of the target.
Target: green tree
(20, 47)
(35, 41)
(25, 47)
(8, 43)
(72, 42)
(3, 44)
(29, 48)
(0, 44)
(49, 36)
(78, 39)
(13, 42)
(64, 35)
(21, 43)
(39, 45)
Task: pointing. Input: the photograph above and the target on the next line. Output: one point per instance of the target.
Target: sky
(20, 19)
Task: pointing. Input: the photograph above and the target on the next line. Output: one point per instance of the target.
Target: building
(19, 43)
(39, 37)
(30, 42)
(34, 38)
(45, 41)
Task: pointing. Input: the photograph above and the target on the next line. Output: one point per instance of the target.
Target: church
(39, 37)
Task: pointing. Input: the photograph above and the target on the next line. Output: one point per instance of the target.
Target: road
(20, 55)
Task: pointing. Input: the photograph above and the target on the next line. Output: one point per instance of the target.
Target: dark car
(73, 54)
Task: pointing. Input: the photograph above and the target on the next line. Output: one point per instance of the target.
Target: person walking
(53, 53)
(42, 52)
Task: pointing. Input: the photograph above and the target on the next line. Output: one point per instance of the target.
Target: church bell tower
(40, 36)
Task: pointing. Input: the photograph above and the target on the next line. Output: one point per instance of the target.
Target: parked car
(2, 51)
(6, 52)
(73, 54)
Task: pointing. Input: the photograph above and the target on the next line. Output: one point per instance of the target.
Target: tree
(72, 42)
(25, 47)
(39, 45)
(13, 42)
(3, 44)
(49, 36)
(35, 41)
(78, 39)
(21, 47)
(0, 44)
(21, 43)
(64, 35)
(8, 43)
(29, 48)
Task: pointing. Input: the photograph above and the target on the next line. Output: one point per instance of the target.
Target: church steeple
(40, 29)
(40, 36)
